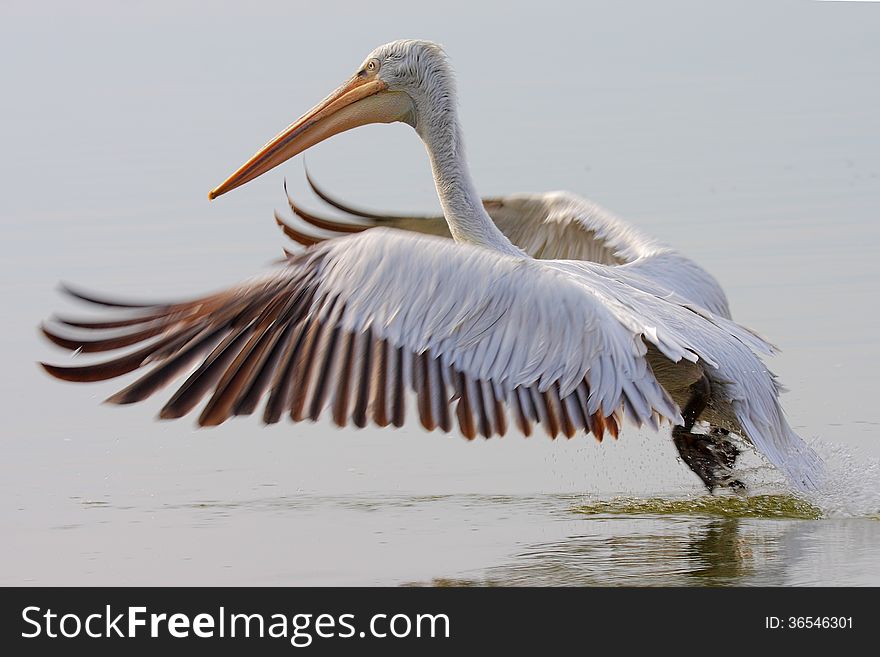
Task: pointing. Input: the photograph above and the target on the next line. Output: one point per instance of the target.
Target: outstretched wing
(360, 324)
(548, 226)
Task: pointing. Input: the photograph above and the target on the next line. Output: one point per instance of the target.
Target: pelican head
(407, 80)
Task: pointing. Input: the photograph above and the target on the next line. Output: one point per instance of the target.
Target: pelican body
(474, 331)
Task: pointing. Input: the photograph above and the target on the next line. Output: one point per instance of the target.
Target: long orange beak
(359, 101)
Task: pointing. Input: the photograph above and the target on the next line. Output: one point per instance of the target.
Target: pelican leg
(712, 456)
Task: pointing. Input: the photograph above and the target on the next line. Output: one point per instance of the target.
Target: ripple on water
(727, 506)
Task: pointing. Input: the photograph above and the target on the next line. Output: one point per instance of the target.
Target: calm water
(748, 135)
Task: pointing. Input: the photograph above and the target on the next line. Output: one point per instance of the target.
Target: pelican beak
(359, 101)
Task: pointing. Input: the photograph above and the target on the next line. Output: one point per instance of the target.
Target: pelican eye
(370, 68)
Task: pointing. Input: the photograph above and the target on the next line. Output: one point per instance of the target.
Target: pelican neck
(467, 218)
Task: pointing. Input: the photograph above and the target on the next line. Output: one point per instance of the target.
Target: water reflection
(689, 551)
(649, 552)
(721, 556)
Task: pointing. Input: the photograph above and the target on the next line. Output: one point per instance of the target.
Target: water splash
(852, 484)
(851, 488)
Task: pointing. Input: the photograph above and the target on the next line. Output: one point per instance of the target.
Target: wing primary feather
(325, 373)
(319, 222)
(528, 406)
(380, 386)
(545, 411)
(294, 234)
(575, 412)
(422, 384)
(327, 224)
(302, 369)
(104, 301)
(342, 395)
(362, 400)
(561, 412)
(399, 387)
(112, 323)
(481, 407)
(104, 344)
(582, 392)
(598, 425)
(444, 419)
(499, 413)
(519, 414)
(124, 364)
(463, 407)
(615, 420)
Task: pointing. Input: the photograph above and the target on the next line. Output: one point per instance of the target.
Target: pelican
(472, 331)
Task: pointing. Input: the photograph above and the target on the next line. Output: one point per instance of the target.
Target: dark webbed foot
(712, 456)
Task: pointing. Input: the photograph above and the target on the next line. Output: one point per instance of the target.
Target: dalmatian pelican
(472, 332)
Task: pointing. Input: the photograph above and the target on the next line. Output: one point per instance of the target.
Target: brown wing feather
(362, 397)
(342, 394)
(324, 224)
(275, 339)
(294, 234)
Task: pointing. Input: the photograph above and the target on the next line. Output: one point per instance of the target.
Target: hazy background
(746, 134)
